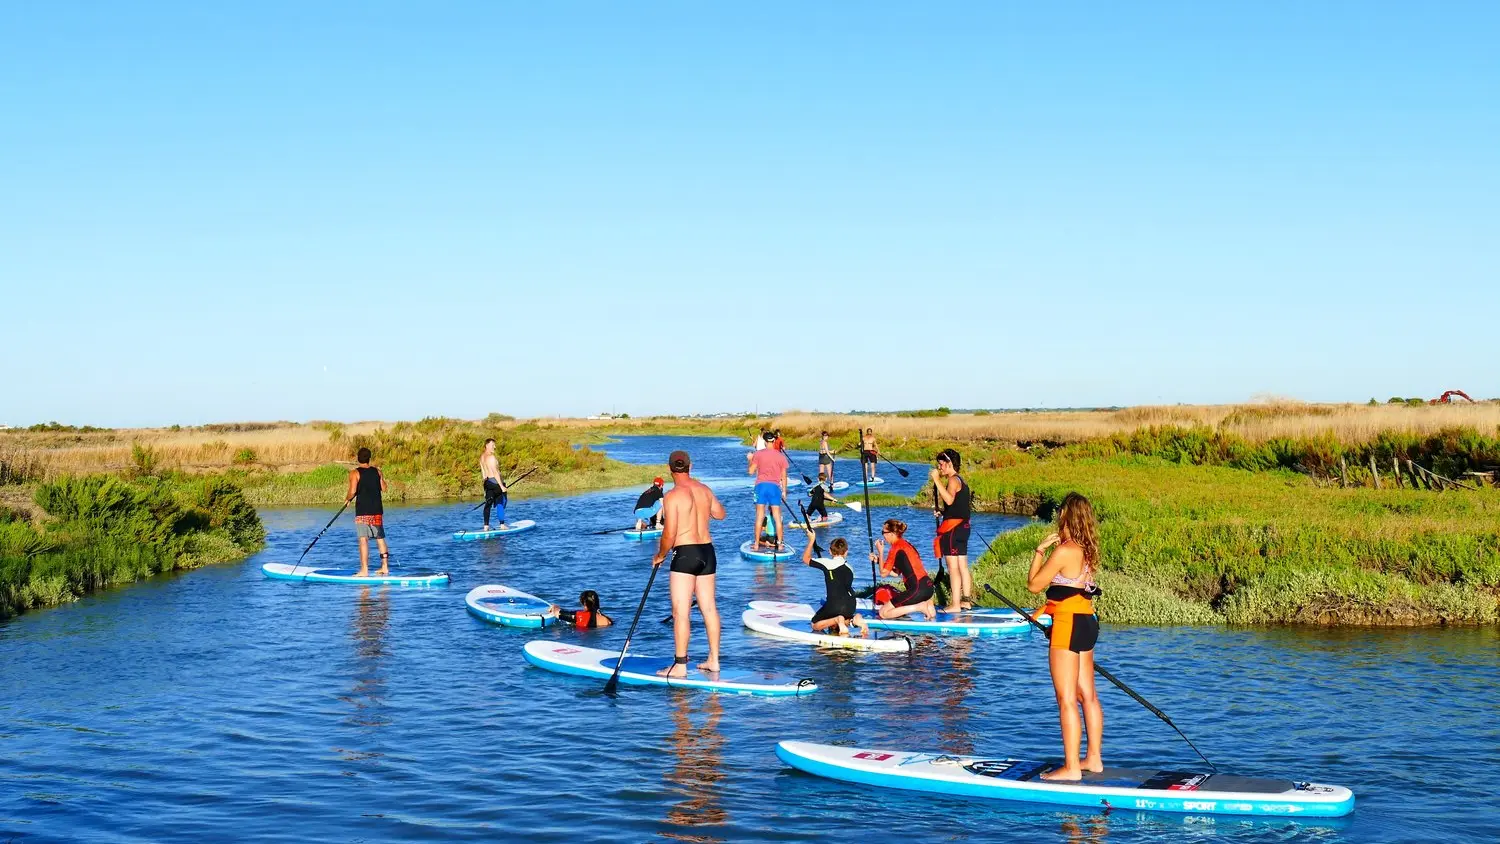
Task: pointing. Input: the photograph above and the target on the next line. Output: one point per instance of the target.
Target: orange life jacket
(916, 559)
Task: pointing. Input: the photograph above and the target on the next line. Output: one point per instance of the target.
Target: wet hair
(839, 546)
(1076, 523)
(590, 600)
(950, 455)
(490, 441)
(363, 455)
(895, 526)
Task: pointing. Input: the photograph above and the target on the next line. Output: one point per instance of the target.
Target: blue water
(219, 705)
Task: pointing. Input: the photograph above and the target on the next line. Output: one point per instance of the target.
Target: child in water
(587, 618)
(838, 607)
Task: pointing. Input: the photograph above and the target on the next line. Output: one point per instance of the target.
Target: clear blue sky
(223, 211)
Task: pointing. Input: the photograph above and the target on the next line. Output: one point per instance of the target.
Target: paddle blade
(855, 506)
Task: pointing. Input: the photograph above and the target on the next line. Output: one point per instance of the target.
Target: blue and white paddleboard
(981, 622)
(833, 519)
(499, 604)
(649, 533)
(1138, 789)
(514, 527)
(871, 482)
(766, 554)
(836, 486)
(309, 574)
(566, 658)
(798, 628)
(791, 481)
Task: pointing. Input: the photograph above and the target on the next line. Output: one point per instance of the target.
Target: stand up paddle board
(985, 622)
(871, 482)
(766, 554)
(649, 533)
(833, 519)
(641, 671)
(514, 527)
(799, 629)
(1143, 789)
(836, 486)
(511, 607)
(283, 571)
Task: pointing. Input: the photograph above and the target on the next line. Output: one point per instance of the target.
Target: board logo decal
(1189, 784)
(873, 757)
(990, 768)
(565, 650)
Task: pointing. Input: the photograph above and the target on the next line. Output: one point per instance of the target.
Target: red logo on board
(873, 757)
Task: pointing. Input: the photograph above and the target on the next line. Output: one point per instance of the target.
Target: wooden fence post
(1396, 470)
(1374, 472)
(1343, 472)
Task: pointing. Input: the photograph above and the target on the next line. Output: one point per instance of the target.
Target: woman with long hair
(1067, 573)
(954, 505)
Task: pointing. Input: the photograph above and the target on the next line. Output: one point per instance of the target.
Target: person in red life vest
(589, 617)
(954, 505)
(915, 595)
(1067, 573)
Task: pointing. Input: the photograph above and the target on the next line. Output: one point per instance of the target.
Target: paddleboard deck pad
(981, 622)
(799, 629)
(654, 533)
(310, 574)
(833, 519)
(1140, 789)
(766, 554)
(500, 604)
(514, 527)
(566, 658)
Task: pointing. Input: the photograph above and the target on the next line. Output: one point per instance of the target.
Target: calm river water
(218, 705)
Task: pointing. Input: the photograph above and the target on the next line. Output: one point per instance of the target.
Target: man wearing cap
(648, 506)
(769, 468)
(685, 514)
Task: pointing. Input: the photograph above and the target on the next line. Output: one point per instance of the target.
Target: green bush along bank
(104, 530)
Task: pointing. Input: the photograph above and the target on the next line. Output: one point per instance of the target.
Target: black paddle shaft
(506, 499)
(320, 534)
(614, 679)
(1103, 673)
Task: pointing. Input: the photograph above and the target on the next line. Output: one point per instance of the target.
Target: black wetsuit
(914, 589)
(819, 504)
(494, 497)
(839, 581)
(649, 497)
(955, 542)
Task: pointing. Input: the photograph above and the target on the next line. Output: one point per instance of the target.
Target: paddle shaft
(508, 486)
(1100, 669)
(320, 534)
(614, 679)
(937, 525)
(807, 520)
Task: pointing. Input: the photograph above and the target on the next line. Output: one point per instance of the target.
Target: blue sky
(390, 210)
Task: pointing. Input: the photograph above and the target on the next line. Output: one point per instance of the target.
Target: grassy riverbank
(85, 533)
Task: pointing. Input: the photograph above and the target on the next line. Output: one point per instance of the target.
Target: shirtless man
(685, 514)
(495, 491)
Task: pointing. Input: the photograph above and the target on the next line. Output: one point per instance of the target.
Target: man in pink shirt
(769, 467)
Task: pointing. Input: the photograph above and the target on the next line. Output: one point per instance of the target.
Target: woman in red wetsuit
(916, 587)
(1068, 576)
(587, 618)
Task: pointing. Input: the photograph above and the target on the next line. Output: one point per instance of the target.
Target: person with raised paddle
(365, 487)
(686, 512)
(838, 581)
(648, 506)
(954, 507)
(869, 454)
(496, 494)
(769, 467)
(916, 587)
(1067, 575)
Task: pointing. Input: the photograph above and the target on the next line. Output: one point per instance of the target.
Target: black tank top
(367, 492)
(960, 508)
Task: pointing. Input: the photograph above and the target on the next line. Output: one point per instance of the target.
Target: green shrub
(244, 457)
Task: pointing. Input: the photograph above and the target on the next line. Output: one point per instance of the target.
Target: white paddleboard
(514, 527)
(649, 533)
(833, 519)
(871, 482)
(836, 486)
(310, 574)
(798, 628)
(766, 554)
(500, 604)
(1138, 789)
(565, 658)
(980, 622)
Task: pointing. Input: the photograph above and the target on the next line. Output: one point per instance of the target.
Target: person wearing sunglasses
(916, 591)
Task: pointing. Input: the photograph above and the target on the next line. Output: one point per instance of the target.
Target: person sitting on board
(588, 618)
(838, 606)
(365, 486)
(686, 511)
(869, 454)
(648, 506)
(820, 498)
(495, 492)
(1068, 576)
(769, 468)
(916, 591)
(825, 459)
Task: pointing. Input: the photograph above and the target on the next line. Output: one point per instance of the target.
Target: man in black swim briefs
(686, 512)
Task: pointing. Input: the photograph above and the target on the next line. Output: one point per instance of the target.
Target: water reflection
(372, 613)
(698, 773)
(957, 681)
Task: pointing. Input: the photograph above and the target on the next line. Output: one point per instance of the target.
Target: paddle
(903, 472)
(807, 520)
(320, 534)
(614, 679)
(937, 546)
(507, 488)
(870, 534)
(1100, 669)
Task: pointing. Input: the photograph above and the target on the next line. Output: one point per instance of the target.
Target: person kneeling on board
(916, 591)
(1067, 573)
(587, 618)
(648, 506)
(838, 579)
(820, 498)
